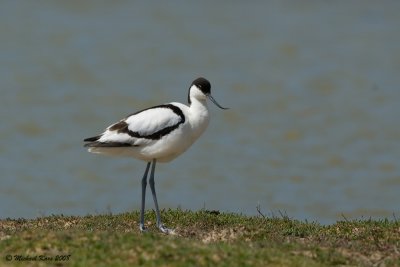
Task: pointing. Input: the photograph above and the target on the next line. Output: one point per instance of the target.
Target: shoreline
(202, 238)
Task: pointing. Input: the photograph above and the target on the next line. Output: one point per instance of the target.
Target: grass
(203, 238)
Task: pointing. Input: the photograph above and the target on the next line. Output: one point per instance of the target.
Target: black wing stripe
(92, 139)
(108, 144)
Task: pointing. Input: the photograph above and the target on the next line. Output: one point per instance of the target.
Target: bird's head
(200, 89)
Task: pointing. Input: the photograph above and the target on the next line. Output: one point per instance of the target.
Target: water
(313, 88)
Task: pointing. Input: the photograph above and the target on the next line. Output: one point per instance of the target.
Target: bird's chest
(199, 124)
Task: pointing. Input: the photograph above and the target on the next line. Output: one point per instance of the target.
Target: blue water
(313, 89)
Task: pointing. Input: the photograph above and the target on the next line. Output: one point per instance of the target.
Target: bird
(157, 134)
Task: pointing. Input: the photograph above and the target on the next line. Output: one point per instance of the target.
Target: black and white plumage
(160, 133)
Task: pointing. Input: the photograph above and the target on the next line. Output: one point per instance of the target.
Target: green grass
(202, 238)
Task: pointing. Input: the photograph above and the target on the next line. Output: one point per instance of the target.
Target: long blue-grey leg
(144, 184)
(153, 192)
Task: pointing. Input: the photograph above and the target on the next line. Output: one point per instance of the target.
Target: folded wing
(140, 128)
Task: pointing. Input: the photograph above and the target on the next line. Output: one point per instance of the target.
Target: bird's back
(162, 132)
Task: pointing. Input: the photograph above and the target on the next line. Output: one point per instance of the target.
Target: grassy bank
(202, 238)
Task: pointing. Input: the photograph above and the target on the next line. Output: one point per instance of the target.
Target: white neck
(198, 116)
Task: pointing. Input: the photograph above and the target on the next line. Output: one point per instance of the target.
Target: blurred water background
(313, 86)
